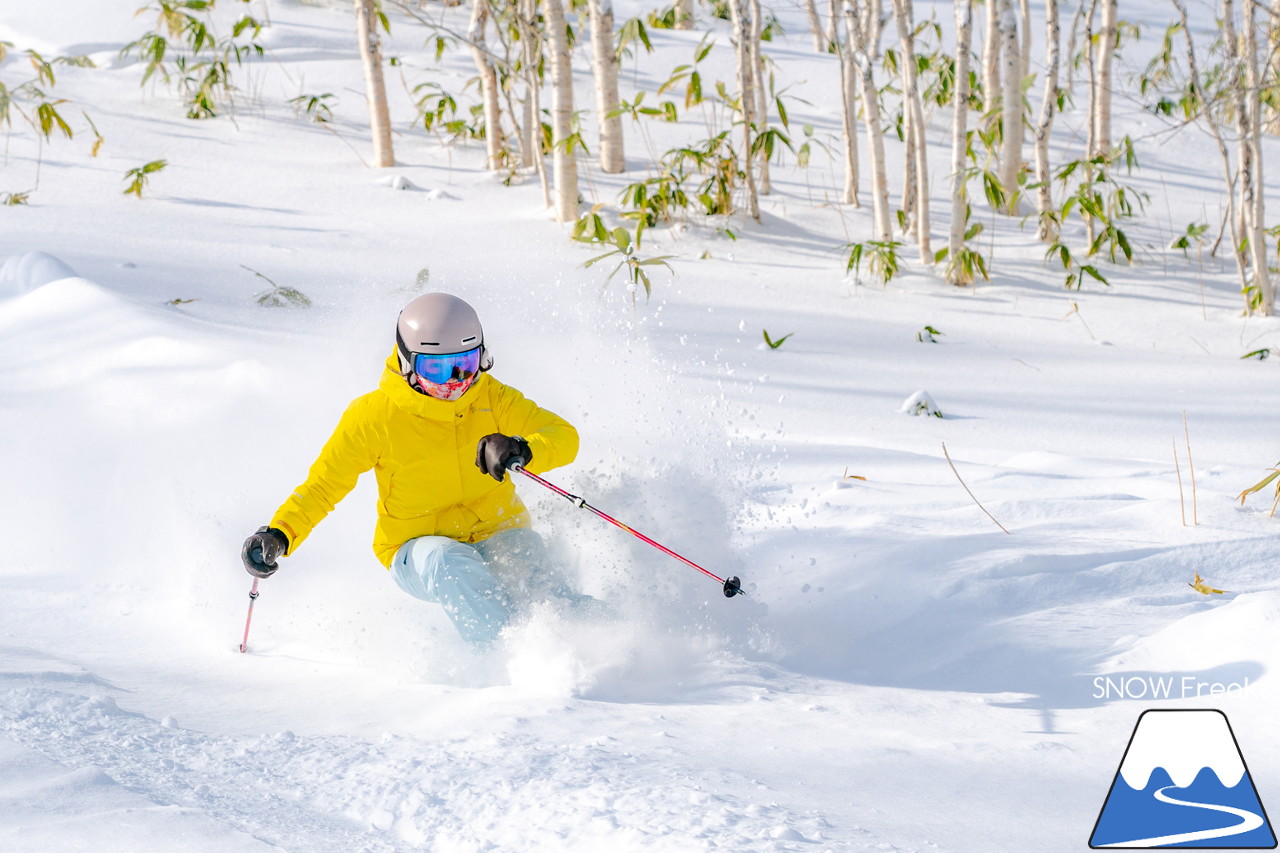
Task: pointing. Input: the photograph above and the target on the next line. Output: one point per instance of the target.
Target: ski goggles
(454, 367)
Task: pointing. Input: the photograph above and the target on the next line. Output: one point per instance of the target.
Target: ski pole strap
(731, 586)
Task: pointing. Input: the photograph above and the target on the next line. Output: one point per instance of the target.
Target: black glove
(261, 550)
(497, 452)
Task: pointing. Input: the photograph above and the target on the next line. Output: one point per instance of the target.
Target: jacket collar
(415, 403)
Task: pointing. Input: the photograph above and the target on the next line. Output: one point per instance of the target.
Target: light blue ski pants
(480, 585)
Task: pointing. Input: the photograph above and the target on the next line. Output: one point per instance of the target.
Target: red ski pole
(732, 586)
(253, 596)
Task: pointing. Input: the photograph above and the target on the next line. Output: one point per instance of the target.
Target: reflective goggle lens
(457, 367)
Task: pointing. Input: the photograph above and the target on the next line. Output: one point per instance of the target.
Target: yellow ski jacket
(422, 451)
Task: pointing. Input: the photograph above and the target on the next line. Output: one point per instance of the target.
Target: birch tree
(760, 113)
(1044, 200)
(1024, 12)
(1011, 104)
(815, 26)
(1091, 61)
(530, 56)
(849, 98)
(494, 148)
(864, 36)
(605, 61)
(836, 8)
(1106, 48)
(917, 154)
(564, 161)
(742, 45)
(991, 57)
(1273, 49)
(1248, 114)
(375, 87)
(1204, 109)
(959, 144)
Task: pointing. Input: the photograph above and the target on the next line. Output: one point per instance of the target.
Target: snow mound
(30, 270)
(398, 182)
(920, 403)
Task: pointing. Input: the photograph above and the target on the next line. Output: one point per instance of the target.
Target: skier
(439, 433)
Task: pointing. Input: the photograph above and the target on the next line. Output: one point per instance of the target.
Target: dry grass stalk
(1182, 501)
(966, 488)
(1195, 510)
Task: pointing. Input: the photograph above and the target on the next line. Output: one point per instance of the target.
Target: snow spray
(732, 586)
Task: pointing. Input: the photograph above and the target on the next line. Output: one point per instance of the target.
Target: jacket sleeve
(350, 451)
(552, 439)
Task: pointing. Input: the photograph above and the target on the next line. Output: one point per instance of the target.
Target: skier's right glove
(261, 550)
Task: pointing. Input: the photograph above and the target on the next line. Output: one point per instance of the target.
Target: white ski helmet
(431, 328)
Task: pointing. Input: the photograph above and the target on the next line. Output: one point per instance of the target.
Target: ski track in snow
(341, 793)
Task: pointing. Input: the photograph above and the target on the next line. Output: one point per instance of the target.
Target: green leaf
(599, 258)
(771, 342)
(1091, 271)
(622, 239)
(1260, 485)
(50, 118)
(704, 48)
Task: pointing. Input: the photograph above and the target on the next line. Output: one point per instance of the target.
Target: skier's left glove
(497, 452)
(261, 550)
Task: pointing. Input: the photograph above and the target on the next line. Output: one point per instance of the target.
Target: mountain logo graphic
(1183, 783)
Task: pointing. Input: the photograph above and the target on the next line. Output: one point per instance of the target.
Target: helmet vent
(430, 343)
(468, 340)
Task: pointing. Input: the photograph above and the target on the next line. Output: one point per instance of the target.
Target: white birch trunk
(375, 87)
(959, 147)
(991, 60)
(1024, 13)
(836, 9)
(1044, 197)
(849, 98)
(531, 140)
(1071, 46)
(605, 60)
(1091, 147)
(1011, 104)
(1243, 190)
(861, 35)
(760, 114)
(1091, 61)
(918, 151)
(1102, 104)
(531, 126)
(494, 149)
(1214, 128)
(742, 34)
(1251, 179)
(815, 26)
(1273, 71)
(564, 162)
(906, 219)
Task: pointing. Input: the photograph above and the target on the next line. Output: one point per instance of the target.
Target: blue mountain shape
(1130, 814)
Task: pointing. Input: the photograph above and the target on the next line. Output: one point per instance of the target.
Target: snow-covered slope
(902, 674)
